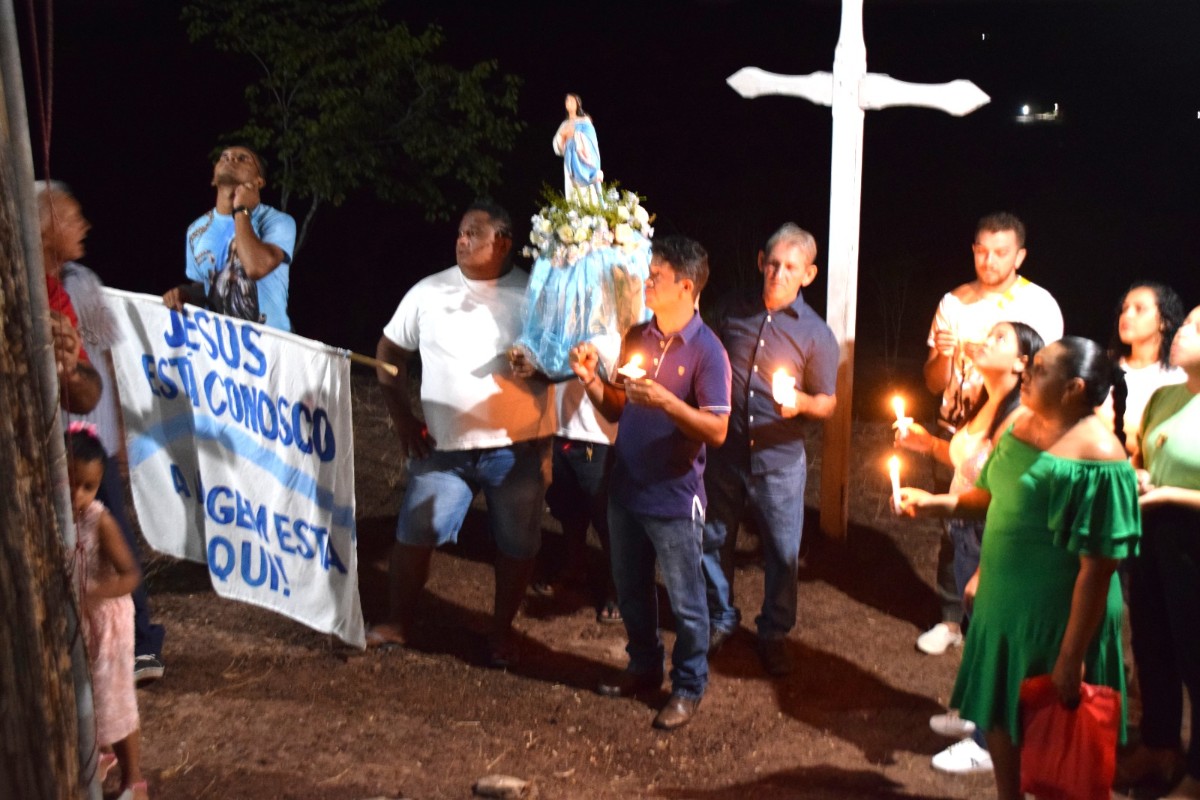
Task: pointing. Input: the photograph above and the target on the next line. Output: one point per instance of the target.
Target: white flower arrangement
(566, 230)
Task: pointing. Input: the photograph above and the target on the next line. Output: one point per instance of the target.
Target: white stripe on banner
(241, 456)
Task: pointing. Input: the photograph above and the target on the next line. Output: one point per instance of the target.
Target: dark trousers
(578, 497)
(148, 637)
(948, 591)
(1164, 604)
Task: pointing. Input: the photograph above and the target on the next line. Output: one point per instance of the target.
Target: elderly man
(239, 254)
(63, 230)
(668, 416)
(761, 469)
(79, 291)
(485, 427)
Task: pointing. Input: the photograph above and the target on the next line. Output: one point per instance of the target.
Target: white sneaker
(952, 725)
(935, 640)
(963, 758)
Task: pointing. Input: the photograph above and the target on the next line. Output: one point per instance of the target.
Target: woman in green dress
(1061, 507)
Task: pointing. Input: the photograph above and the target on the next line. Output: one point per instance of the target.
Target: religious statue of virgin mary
(591, 251)
(575, 140)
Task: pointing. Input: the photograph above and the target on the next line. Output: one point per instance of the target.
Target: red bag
(1068, 754)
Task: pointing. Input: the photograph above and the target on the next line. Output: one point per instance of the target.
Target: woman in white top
(1149, 315)
(1000, 360)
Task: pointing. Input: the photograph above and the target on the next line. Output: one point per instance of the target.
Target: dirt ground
(255, 706)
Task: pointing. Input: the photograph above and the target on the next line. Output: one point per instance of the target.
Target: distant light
(1029, 114)
(983, 37)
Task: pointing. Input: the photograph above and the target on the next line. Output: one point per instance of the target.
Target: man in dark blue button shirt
(784, 359)
(668, 414)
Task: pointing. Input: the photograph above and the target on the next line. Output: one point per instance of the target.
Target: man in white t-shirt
(963, 319)
(965, 315)
(485, 428)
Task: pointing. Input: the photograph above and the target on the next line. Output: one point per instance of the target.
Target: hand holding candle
(633, 369)
(894, 472)
(902, 422)
(783, 388)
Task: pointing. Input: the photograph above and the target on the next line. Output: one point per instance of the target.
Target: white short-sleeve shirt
(1023, 302)
(462, 329)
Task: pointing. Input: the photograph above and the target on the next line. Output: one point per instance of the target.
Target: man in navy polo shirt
(656, 491)
(760, 471)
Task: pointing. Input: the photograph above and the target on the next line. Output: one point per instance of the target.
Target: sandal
(384, 637)
(135, 791)
(104, 765)
(609, 613)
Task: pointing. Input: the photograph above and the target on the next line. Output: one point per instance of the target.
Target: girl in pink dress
(108, 574)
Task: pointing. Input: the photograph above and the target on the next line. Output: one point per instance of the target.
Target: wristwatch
(241, 210)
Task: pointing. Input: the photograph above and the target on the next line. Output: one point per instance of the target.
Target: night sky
(1109, 195)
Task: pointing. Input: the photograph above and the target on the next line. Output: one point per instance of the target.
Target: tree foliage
(348, 99)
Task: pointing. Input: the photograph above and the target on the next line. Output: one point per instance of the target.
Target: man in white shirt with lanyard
(965, 315)
(962, 321)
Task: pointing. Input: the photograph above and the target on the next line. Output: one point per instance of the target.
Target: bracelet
(590, 381)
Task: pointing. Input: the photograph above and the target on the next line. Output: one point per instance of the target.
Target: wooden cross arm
(959, 97)
(752, 82)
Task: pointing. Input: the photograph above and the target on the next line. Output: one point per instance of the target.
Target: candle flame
(898, 406)
(633, 368)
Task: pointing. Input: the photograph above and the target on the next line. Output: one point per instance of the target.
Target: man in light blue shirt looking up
(239, 254)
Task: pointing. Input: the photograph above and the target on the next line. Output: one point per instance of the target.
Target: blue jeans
(637, 540)
(441, 487)
(776, 501)
(966, 536)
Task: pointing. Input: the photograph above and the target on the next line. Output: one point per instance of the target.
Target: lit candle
(633, 370)
(902, 422)
(894, 472)
(783, 388)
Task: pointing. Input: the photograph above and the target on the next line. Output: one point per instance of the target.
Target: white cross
(850, 90)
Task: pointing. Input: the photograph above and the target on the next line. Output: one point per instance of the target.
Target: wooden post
(849, 91)
(43, 668)
(38, 729)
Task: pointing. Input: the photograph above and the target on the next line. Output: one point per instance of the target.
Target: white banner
(241, 456)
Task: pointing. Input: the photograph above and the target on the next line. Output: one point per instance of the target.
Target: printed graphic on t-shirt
(232, 292)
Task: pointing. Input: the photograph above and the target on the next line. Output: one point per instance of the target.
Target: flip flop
(105, 763)
(379, 640)
(609, 613)
(136, 791)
